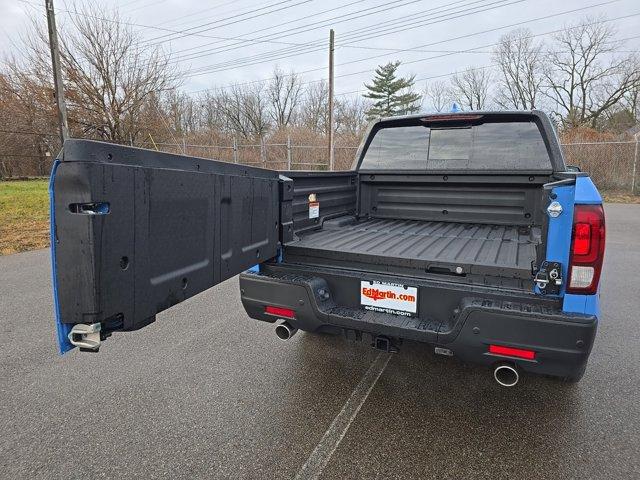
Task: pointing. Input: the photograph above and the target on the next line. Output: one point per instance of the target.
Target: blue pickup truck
(463, 231)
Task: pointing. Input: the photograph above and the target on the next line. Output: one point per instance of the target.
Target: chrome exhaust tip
(285, 331)
(506, 374)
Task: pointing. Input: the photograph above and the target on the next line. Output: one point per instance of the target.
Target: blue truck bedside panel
(586, 192)
(559, 232)
(587, 304)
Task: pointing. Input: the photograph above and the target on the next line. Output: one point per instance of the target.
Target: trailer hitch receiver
(384, 343)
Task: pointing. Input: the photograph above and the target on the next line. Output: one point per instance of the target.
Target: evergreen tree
(391, 95)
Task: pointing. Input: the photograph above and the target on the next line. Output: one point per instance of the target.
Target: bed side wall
(336, 193)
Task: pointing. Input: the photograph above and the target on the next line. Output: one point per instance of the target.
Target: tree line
(122, 89)
(583, 77)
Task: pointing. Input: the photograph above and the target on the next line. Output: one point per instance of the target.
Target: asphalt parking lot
(205, 392)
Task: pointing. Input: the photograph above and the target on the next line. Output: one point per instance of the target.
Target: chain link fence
(275, 156)
(613, 166)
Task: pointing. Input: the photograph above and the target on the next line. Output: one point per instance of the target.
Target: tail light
(279, 311)
(587, 249)
(457, 117)
(512, 352)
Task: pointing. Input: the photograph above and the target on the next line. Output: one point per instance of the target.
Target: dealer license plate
(389, 298)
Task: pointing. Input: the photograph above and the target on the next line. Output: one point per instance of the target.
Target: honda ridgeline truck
(462, 231)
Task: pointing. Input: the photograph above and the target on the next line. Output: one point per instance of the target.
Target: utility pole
(57, 72)
(330, 126)
(635, 164)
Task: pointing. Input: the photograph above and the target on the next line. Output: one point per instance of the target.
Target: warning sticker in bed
(314, 209)
(389, 298)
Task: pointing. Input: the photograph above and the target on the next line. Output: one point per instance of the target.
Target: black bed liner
(435, 247)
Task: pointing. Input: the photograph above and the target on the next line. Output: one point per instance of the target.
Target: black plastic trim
(562, 341)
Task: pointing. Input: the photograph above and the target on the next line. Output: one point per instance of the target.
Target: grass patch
(24, 216)
(620, 197)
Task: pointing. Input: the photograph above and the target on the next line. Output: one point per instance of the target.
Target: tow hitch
(384, 343)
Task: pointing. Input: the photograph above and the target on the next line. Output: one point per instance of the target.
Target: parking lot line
(318, 459)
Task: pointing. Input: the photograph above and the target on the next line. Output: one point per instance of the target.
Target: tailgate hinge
(86, 337)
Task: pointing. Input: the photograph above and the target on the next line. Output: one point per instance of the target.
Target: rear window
(488, 146)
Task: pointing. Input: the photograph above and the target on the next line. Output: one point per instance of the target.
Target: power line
(266, 57)
(375, 35)
(332, 21)
(253, 40)
(492, 65)
(223, 4)
(415, 48)
(155, 2)
(130, 2)
(163, 29)
(274, 56)
(432, 77)
(482, 32)
(318, 44)
(187, 31)
(481, 46)
(546, 17)
(258, 39)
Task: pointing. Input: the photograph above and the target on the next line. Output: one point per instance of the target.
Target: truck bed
(432, 247)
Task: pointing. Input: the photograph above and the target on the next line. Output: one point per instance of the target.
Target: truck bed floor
(439, 247)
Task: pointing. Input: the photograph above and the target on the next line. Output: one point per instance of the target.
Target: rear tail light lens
(280, 311)
(587, 249)
(582, 238)
(512, 352)
(458, 117)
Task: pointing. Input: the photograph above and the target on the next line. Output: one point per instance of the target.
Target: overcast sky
(220, 42)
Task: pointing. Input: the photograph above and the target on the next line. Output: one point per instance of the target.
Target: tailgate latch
(548, 279)
(86, 337)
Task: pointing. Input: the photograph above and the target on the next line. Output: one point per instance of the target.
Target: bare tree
(631, 99)
(180, 110)
(29, 129)
(231, 103)
(520, 60)
(585, 75)
(210, 112)
(285, 94)
(246, 110)
(256, 110)
(351, 115)
(109, 73)
(471, 88)
(315, 109)
(438, 95)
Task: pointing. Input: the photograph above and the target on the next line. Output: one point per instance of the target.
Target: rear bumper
(562, 341)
